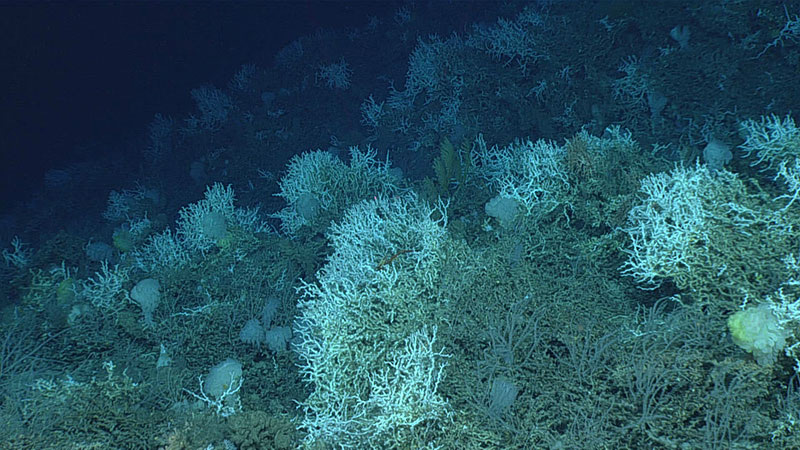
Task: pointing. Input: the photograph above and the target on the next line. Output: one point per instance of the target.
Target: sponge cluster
(757, 330)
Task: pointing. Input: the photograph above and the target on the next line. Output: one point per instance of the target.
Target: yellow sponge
(756, 330)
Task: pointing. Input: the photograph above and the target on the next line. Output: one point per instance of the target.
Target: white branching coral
(672, 216)
(364, 339)
(318, 183)
(530, 173)
(770, 140)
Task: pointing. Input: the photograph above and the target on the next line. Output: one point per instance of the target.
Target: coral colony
(442, 225)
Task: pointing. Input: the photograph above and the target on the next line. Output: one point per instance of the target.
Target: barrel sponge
(757, 330)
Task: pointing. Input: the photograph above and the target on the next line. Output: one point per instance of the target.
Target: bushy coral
(770, 140)
(107, 288)
(104, 412)
(214, 106)
(775, 143)
(696, 228)
(367, 340)
(163, 250)
(206, 224)
(605, 172)
(530, 173)
(335, 75)
(258, 430)
(522, 40)
(318, 186)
